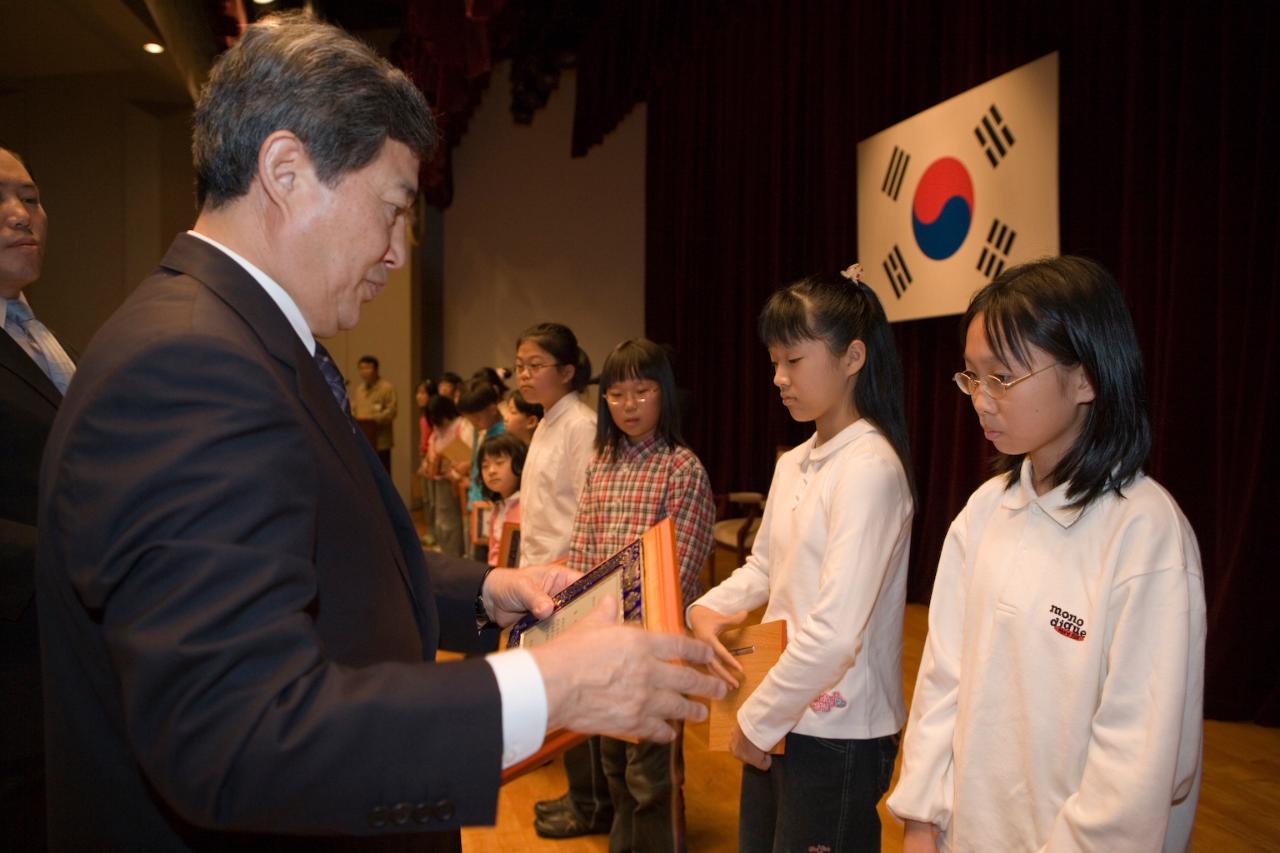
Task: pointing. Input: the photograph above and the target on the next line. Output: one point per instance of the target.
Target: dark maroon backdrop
(1168, 176)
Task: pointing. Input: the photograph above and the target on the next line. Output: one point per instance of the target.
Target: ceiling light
(264, 2)
(153, 47)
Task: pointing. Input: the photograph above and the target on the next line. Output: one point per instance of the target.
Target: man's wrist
(483, 621)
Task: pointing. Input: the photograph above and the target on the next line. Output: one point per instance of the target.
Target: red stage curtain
(1169, 177)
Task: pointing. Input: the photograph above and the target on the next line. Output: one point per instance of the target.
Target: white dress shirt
(831, 559)
(555, 472)
(1059, 699)
(524, 697)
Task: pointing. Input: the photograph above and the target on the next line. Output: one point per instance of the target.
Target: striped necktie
(39, 343)
(333, 378)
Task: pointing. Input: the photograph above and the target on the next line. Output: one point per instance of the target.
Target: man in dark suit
(34, 370)
(238, 621)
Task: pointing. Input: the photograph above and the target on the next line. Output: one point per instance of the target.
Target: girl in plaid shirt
(643, 472)
(830, 558)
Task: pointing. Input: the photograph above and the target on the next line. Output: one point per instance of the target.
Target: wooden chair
(737, 532)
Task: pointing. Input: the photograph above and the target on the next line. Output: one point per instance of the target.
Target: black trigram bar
(996, 252)
(994, 136)
(895, 268)
(893, 175)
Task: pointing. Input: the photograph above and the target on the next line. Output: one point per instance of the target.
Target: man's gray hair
(292, 72)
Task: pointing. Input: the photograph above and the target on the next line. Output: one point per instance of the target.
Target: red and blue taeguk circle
(943, 208)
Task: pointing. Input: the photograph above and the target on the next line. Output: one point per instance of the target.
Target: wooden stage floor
(1239, 799)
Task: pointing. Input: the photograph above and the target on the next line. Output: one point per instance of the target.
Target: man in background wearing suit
(238, 621)
(34, 372)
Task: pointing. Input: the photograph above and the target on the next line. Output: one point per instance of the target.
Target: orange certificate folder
(509, 547)
(757, 648)
(643, 577)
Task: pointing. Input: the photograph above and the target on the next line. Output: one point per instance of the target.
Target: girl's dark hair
(504, 444)
(428, 385)
(491, 376)
(524, 407)
(637, 359)
(440, 411)
(837, 311)
(1072, 309)
(560, 341)
(477, 395)
(452, 378)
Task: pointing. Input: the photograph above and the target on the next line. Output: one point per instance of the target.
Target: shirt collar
(1054, 502)
(277, 293)
(641, 450)
(813, 455)
(4, 307)
(563, 405)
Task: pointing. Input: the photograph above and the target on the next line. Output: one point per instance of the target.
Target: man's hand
(746, 751)
(606, 678)
(509, 594)
(707, 625)
(918, 837)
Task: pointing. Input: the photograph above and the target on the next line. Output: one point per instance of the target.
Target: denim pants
(446, 517)
(819, 797)
(645, 782)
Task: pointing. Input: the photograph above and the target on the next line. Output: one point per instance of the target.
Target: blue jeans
(819, 797)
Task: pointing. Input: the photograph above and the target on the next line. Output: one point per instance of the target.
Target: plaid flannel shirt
(626, 496)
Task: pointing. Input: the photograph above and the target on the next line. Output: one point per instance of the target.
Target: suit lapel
(233, 284)
(15, 359)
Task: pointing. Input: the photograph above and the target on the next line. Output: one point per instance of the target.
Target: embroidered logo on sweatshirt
(1067, 624)
(827, 701)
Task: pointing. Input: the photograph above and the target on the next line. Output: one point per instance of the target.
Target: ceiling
(40, 38)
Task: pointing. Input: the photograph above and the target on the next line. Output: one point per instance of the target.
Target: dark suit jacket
(235, 609)
(28, 403)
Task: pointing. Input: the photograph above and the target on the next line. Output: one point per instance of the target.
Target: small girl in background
(830, 557)
(643, 472)
(1058, 703)
(520, 416)
(422, 396)
(501, 463)
(446, 510)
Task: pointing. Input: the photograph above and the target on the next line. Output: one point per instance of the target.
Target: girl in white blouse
(552, 370)
(830, 558)
(1058, 703)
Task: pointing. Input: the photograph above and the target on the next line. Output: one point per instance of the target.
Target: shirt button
(378, 817)
(422, 813)
(400, 814)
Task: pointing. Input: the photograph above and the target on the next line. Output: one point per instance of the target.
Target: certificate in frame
(645, 579)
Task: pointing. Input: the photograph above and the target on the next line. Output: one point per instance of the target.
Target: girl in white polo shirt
(830, 558)
(1058, 703)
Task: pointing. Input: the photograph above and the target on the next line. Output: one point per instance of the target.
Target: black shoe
(545, 808)
(567, 824)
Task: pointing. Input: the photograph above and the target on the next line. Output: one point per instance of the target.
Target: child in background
(552, 370)
(1059, 699)
(450, 385)
(501, 462)
(422, 395)
(446, 519)
(478, 404)
(830, 558)
(643, 472)
(521, 417)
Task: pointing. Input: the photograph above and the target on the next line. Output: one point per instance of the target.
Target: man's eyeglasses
(993, 386)
(534, 367)
(644, 395)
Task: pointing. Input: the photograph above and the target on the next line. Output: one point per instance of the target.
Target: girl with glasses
(1058, 703)
(643, 472)
(830, 558)
(552, 371)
